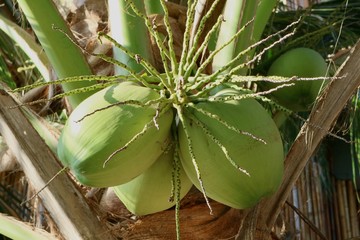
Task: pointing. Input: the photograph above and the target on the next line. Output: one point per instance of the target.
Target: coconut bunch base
(195, 220)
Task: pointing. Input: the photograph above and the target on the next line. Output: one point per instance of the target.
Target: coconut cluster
(155, 135)
(150, 147)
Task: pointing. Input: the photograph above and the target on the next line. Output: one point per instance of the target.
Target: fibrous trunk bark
(62, 199)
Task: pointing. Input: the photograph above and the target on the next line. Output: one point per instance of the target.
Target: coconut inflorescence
(229, 148)
(154, 136)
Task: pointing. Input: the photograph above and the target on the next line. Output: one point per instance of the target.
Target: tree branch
(66, 205)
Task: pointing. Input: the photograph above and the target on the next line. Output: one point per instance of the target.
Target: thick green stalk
(66, 58)
(15, 229)
(130, 31)
(245, 11)
(232, 13)
(261, 11)
(153, 7)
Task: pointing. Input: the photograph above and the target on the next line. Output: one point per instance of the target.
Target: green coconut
(87, 142)
(222, 181)
(151, 191)
(300, 62)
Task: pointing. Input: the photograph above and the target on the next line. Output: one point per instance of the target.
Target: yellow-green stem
(65, 57)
